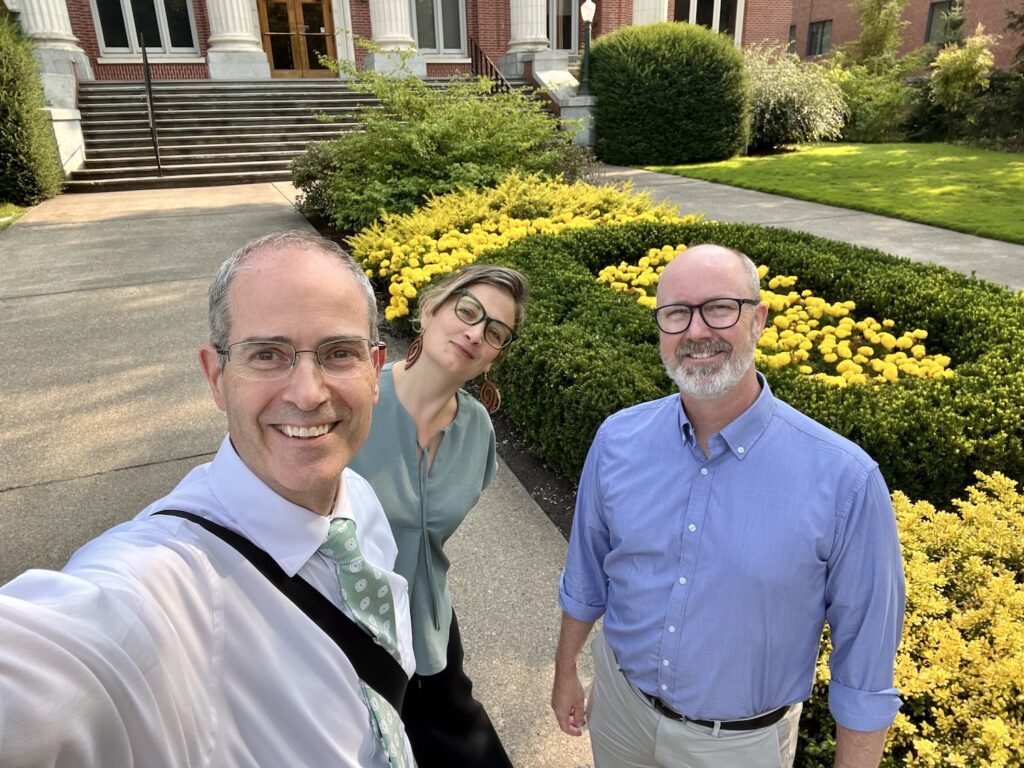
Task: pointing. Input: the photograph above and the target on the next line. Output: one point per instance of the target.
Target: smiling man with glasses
(252, 616)
(716, 531)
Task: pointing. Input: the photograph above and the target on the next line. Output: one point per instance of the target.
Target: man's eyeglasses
(470, 311)
(716, 313)
(268, 360)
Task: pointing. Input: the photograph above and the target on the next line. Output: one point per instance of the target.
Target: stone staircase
(209, 132)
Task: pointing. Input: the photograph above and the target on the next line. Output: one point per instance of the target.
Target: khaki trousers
(627, 732)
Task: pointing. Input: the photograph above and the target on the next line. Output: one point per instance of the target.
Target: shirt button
(672, 629)
(682, 579)
(664, 662)
(703, 470)
(740, 449)
(692, 527)
(664, 687)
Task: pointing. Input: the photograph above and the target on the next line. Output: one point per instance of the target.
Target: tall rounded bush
(791, 101)
(29, 162)
(668, 93)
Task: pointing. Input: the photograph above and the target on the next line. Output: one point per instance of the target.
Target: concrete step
(117, 153)
(175, 159)
(169, 182)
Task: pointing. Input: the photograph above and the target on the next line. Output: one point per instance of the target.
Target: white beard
(708, 382)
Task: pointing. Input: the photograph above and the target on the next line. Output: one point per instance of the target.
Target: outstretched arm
(567, 699)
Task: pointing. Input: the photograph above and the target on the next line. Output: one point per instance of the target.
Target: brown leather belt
(761, 721)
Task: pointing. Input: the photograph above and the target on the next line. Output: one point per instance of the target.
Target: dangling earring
(489, 395)
(413, 354)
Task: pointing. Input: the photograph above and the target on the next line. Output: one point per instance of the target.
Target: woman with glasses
(430, 454)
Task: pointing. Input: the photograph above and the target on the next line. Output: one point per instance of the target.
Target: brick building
(258, 39)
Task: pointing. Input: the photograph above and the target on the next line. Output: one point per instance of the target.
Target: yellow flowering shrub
(806, 332)
(453, 230)
(960, 667)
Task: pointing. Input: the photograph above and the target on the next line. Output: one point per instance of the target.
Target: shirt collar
(741, 433)
(287, 532)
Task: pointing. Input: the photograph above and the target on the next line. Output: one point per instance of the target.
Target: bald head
(712, 269)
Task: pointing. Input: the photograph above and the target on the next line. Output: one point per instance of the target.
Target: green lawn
(970, 190)
(8, 213)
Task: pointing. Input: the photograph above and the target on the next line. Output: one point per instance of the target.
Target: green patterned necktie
(368, 595)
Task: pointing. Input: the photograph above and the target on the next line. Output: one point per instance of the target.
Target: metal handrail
(150, 114)
(482, 66)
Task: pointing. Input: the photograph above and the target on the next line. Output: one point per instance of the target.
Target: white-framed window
(440, 26)
(937, 29)
(563, 25)
(168, 26)
(720, 15)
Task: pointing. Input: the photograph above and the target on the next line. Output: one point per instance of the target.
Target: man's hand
(859, 749)
(567, 699)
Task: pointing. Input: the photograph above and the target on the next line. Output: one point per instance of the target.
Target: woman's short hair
(509, 280)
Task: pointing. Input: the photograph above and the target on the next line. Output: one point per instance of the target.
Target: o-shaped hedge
(588, 351)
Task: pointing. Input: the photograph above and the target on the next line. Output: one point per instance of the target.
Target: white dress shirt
(160, 645)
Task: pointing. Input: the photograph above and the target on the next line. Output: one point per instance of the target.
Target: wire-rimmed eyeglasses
(716, 313)
(268, 360)
(470, 311)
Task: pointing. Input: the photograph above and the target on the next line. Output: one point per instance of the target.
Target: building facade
(257, 39)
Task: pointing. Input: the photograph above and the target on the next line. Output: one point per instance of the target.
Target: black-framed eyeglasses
(716, 313)
(470, 311)
(269, 360)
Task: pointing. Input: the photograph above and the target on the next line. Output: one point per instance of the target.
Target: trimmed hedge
(29, 162)
(588, 351)
(668, 94)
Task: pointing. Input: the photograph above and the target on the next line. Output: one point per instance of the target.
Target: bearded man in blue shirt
(717, 532)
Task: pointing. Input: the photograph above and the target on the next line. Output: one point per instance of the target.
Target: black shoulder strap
(374, 665)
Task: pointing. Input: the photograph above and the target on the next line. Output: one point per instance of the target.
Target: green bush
(791, 101)
(426, 141)
(877, 103)
(668, 94)
(29, 162)
(580, 358)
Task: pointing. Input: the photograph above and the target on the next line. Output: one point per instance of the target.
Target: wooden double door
(295, 34)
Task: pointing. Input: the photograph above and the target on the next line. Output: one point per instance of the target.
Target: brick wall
(489, 22)
(448, 70)
(360, 10)
(766, 21)
(611, 15)
(846, 25)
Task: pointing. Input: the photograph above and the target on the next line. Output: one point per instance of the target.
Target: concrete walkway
(104, 407)
(991, 260)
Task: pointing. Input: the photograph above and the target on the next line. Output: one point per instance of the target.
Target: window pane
(178, 25)
(451, 24)
(938, 31)
(277, 17)
(281, 51)
(425, 25)
(562, 37)
(316, 45)
(313, 17)
(145, 23)
(705, 12)
(819, 38)
(115, 35)
(727, 18)
(682, 10)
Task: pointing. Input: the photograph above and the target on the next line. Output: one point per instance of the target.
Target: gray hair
(753, 278)
(509, 280)
(220, 313)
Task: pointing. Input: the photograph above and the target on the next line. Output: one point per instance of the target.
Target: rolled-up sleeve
(866, 597)
(583, 588)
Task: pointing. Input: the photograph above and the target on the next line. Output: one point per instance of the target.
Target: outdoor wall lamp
(587, 14)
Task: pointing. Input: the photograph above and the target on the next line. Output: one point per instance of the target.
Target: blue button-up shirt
(715, 575)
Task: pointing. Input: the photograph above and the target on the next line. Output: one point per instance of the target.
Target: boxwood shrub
(668, 93)
(588, 351)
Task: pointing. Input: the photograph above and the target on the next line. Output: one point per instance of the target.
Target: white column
(62, 62)
(650, 11)
(236, 51)
(529, 26)
(391, 22)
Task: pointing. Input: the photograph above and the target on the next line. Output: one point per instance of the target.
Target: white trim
(154, 58)
(740, 11)
(127, 15)
(574, 23)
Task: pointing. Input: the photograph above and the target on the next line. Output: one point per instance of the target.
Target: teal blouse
(425, 504)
